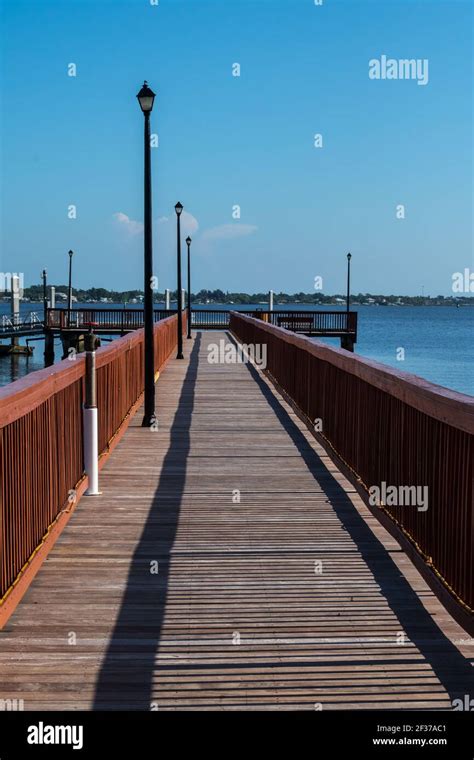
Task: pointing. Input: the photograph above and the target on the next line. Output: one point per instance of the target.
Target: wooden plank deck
(238, 615)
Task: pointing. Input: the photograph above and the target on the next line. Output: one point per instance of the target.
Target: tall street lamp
(179, 208)
(188, 243)
(349, 256)
(146, 98)
(69, 293)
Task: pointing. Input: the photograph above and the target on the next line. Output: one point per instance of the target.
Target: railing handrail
(24, 395)
(42, 434)
(444, 404)
(105, 354)
(23, 320)
(391, 433)
(200, 309)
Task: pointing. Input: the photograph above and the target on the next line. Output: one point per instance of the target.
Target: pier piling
(270, 300)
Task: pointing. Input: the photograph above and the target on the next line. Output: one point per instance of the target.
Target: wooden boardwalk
(294, 598)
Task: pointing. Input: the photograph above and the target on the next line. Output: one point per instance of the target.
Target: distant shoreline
(258, 304)
(207, 298)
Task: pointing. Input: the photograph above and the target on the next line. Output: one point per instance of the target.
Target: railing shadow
(130, 660)
(452, 669)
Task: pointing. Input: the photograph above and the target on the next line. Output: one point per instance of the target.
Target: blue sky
(247, 141)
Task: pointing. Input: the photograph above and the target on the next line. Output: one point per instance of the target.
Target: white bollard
(91, 449)
(52, 297)
(167, 299)
(91, 419)
(270, 300)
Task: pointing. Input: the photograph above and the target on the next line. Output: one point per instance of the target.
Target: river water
(434, 342)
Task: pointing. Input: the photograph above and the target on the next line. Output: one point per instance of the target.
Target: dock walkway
(228, 565)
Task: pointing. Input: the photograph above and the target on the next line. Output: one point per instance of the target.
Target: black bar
(188, 243)
(149, 364)
(364, 733)
(179, 301)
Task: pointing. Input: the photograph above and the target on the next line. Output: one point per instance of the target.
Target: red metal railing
(388, 427)
(121, 320)
(333, 323)
(41, 443)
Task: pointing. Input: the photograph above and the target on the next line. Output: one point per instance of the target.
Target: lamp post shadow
(125, 679)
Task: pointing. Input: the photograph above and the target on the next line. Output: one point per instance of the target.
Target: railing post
(48, 347)
(347, 342)
(48, 338)
(90, 418)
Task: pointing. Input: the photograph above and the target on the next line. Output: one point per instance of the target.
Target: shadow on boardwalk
(453, 670)
(129, 668)
(140, 619)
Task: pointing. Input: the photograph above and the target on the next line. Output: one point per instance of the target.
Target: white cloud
(189, 223)
(130, 225)
(189, 226)
(229, 232)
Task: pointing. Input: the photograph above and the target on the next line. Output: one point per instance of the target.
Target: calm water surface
(437, 341)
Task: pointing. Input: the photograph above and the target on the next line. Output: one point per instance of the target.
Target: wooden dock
(293, 597)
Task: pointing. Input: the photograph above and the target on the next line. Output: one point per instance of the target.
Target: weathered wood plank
(240, 614)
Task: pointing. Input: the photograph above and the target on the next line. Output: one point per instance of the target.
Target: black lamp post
(188, 243)
(349, 256)
(146, 97)
(45, 295)
(69, 294)
(178, 208)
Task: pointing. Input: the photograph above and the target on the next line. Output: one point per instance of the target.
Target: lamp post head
(178, 208)
(146, 96)
(71, 254)
(188, 241)
(349, 256)
(44, 272)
